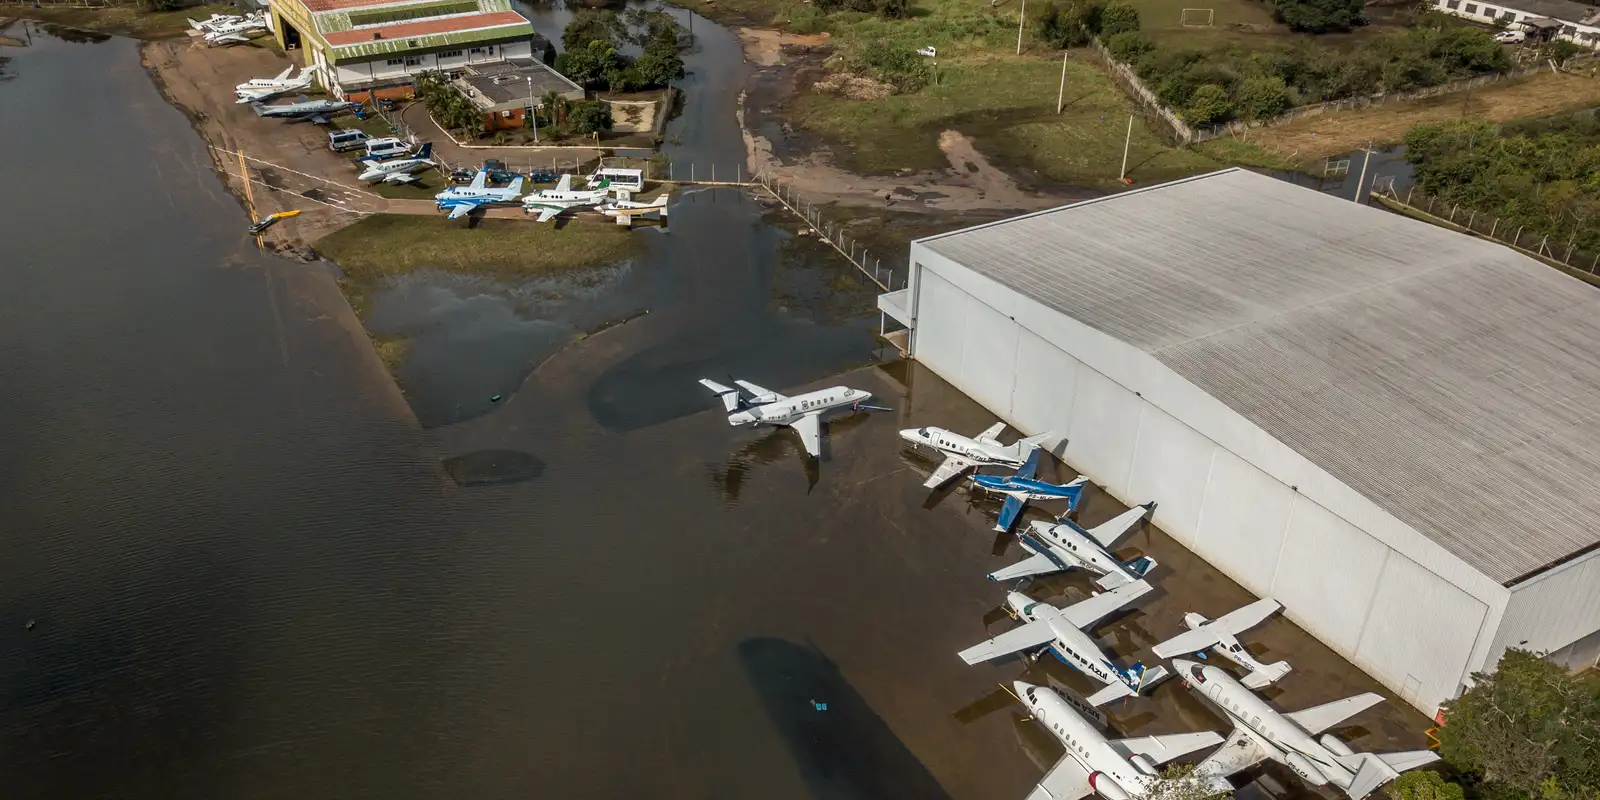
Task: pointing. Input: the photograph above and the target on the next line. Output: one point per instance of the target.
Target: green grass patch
(392, 350)
(384, 245)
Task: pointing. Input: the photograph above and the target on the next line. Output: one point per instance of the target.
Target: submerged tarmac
(254, 574)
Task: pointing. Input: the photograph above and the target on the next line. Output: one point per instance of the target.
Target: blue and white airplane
(318, 111)
(463, 200)
(1021, 486)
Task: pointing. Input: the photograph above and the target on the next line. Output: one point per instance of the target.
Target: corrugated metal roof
(427, 27)
(1452, 381)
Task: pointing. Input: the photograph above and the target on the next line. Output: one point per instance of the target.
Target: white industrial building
(1386, 426)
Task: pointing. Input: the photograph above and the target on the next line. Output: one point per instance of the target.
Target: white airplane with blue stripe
(463, 200)
(1061, 631)
(1021, 486)
(962, 453)
(1220, 636)
(1064, 545)
(750, 404)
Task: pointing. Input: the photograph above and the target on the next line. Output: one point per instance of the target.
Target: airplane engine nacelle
(1106, 787)
(1305, 769)
(1336, 746)
(1143, 763)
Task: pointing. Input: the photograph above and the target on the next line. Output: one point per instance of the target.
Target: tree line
(595, 39)
(557, 116)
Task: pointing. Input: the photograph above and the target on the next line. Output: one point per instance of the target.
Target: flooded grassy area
(122, 20)
(384, 245)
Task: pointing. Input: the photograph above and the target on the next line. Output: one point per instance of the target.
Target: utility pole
(533, 113)
(1126, 141)
(1022, 16)
(1366, 157)
(1061, 94)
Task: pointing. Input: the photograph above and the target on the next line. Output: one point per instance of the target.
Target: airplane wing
(1027, 636)
(1088, 612)
(1037, 565)
(1161, 749)
(1239, 752)
(1187, 642)
(284, 74)
(1065, 781)
(810, 429)
(460, 210)
(1107, 533)
(399, 177)
(1009, 513)
(547, 214)
(318, 119)
(991, 433)
(1240, 620)
(479, 180)
(1320, 718)
(951, 467)
(764, 395)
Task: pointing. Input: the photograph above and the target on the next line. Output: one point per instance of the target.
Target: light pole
(1126, 141)
(533, 113)
(1061, 93)
(1021, 16)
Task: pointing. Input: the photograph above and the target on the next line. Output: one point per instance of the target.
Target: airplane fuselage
(1024, 488)
(1070, 548)
(786, 411)
(1072, 646)
(1110, 774)
(980, 454)
(1286, 742)
(1227, 645)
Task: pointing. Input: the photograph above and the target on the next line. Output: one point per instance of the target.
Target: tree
(1068, 24)
(1423, 784)
(1118, 18)
(594, 25)
(1317, 16)
(1128, 46)
(590, 65)
(658, 69)
(1261, 97)
(1180, 782)
(590, 116)
(1527, 730)
(1207, 104)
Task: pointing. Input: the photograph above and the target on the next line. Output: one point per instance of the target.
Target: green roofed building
(373, 47)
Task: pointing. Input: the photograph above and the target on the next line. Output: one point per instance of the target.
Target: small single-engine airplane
(750, 404)
(1219, 636)
(463, 200)
(623, 209)
(962, 453)
(1021, 486)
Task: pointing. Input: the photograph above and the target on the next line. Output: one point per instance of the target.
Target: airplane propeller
(865, 407)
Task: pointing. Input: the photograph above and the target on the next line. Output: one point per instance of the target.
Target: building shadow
(841, 747)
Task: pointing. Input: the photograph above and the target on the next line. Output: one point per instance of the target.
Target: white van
(345, 140)
(630, 179)
(388, 148)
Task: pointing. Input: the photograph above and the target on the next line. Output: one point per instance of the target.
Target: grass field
(1007, 106)
(123, 20)
(1541, 95)
(390, 244)
(1247, 22)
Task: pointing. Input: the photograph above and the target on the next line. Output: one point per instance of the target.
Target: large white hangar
(1386, 426)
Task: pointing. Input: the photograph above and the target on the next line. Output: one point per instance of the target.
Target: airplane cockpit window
(1196, 673)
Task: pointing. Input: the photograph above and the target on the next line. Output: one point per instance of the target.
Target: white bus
(630, 179)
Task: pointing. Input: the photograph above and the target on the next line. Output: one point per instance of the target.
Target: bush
(1207, 104)
(1317, 16)
(589, 116)
(591, 65)
(1118, 18)
(891, 62)
(1261, 97)
(594, 25)
(1423, 784)
(888, 9)
(1068, 24)
(1128, 46)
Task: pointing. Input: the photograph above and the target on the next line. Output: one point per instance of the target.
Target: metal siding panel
(1420, 629)
(1243, 520)
(988, 359)
(1553, 609)
(1170, 466)
(1105, 419)
(1046, 384)
(1326, 575)
(941, 318)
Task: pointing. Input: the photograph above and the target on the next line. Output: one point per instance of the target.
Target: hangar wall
(1407, 625)
(1554, 610)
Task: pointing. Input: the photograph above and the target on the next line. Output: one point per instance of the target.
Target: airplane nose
(1182, 664)
(910, 435)
(1021, 687)
(1018, 601)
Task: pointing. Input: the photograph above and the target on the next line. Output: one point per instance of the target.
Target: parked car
(498, 172)
(341, 141)
(462, 177)
(543, 176)
(1511, 37)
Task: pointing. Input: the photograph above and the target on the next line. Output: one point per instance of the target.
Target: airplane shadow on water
(844, 752)
(778, 444)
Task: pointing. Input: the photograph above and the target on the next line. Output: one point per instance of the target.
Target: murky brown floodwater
(251, 574)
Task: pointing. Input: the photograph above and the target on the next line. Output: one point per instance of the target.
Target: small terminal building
(1391, 428)
(1559, 19)
(362, 48)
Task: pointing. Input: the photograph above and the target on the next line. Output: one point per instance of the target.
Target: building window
(413, 61)
(477, 49)
(1472, 8)
(1490, 11)
(394, 62)
(1568, 30)
(1453, 4)
(450, 54)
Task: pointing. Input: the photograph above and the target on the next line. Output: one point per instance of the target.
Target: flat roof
(505, 83)
(459, 23)
(1452, 381)
(1566, 10)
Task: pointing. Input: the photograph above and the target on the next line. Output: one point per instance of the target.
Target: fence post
(1518, 240)
(1430, 205)
(1453, 211)
(1594, 263)
(691, 172)
(1408, 194)
(738, 173)
(1471, 219)
(1542, 243)
(713, 172)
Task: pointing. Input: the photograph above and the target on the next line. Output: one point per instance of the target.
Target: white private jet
(1061, 629)
(1219, 636)
(1115, 769)
(1260, 732)
(961, 453)
(257, 89)
(397, 170)
(1064, 545)
(463, 200)
(552, 203)
(229, 29)
(752, 405)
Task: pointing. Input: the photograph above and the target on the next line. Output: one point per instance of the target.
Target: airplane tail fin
(426, 152)
(660, 202)
(729, 395)
(516, 185)
(1371, 772)
(1030, 443)
(193, 23)
(257, 107)
(1267, 675)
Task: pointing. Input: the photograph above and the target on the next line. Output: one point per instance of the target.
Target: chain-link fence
(1562, 247)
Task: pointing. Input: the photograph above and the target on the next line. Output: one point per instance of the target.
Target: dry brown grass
(1317, 137)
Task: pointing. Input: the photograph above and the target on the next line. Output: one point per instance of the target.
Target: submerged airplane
(551, 203)
(961, 453)
(1219, 635)
(397, 170)
(1065, 545)
(1061, 629)
(463, 200)
(623, 210)
(257, 89)
(1260, 732)
(1115, 769)
(752, 405)
(318, 111)
(1021, 487)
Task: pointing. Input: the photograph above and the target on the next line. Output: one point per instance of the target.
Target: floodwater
(234, 564)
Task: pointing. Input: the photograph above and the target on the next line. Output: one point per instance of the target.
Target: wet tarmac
(253, 573)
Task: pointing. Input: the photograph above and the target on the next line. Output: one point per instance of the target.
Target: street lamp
(531, 111)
